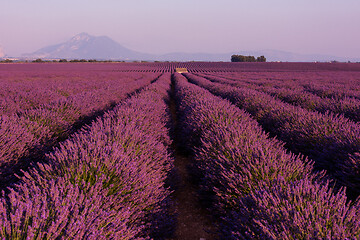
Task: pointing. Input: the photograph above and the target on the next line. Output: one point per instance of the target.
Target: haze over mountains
(85, 46)
(2, 53)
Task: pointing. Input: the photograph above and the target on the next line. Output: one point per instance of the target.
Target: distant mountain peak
(85, 46)
(81, 37)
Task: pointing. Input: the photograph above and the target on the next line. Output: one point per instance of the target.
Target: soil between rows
(193, 220)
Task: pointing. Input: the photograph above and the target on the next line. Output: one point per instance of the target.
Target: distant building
(181, 70)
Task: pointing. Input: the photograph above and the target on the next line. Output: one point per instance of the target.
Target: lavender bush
(261, 191)
(293, 92)
(107, 181)
(43, 122)
(329, 139)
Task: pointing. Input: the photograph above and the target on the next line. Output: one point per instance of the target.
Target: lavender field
(139, 151)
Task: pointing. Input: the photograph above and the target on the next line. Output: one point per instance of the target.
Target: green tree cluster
(242, 58)
(7, 61)
(39, 60)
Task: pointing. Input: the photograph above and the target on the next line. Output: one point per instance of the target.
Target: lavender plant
(107, 181)
(261, 191)
(329, 139)
(43, 122)
(293, 92)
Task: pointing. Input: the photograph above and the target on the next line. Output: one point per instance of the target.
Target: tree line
(242, 58)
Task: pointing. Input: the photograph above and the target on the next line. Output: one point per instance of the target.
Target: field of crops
(99, 150)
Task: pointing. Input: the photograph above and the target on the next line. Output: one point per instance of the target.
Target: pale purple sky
(161, 26)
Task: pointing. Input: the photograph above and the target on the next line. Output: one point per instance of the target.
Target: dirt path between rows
(193, 221)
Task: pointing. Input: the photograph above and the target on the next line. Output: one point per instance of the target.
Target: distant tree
(7, 61)
(242, 58)
(39, 60)
(261, 59)
(238, 58)
(63, 60)
(250, 59)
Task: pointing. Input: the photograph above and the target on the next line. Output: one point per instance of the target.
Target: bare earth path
(192, 219)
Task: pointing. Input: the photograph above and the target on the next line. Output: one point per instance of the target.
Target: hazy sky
(162, 26)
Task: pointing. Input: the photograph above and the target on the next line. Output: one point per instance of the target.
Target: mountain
(85, 46)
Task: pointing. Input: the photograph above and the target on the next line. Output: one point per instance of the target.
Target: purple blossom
(107, 181)
(259, 189)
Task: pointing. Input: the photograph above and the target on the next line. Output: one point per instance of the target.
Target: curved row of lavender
(40, 112)
(107, 181)
(260, 190)
(24, 89)
(334, 91)
(337, 85)
(295, 93)
(332, 141)
(348, 106)
(328, 82)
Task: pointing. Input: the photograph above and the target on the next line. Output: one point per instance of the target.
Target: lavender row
(22, 91)
(329, 84)
(331, 140)
(336, 91)
(260, 190)
(296, 95)
(342, 81)
(349, 107)
(32, 131)
(107, 182)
